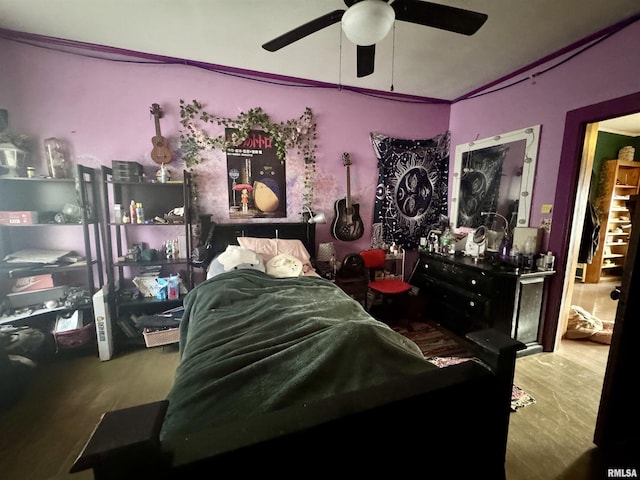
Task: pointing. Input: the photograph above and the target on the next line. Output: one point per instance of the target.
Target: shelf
(179, 261)
(158, 200)
(37, 180)
(619, 181)
(125, 301)
(21, 272)
(611, 265)
(53, 224)
(154, 224)
(170, 183)
(48, 197)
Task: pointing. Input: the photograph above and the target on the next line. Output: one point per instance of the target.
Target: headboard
(226, 234)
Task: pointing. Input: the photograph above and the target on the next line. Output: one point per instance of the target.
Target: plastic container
(549, 261)
(174, 287)
(117, 213)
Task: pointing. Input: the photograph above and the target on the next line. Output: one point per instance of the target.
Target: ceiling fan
(366, 22)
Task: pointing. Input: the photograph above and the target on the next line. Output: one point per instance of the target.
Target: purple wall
(101, 109)
(605, 72)
(608, 70)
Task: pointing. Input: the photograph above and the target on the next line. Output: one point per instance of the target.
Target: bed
(288, 375)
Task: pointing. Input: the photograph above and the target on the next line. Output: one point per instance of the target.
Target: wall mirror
(494, 175)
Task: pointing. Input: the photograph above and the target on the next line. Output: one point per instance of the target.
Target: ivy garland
(299, 134)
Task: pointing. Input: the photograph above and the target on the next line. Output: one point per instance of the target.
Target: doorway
(593, 306)
(614, 415)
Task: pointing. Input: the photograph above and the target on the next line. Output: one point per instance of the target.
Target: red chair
(389, 289)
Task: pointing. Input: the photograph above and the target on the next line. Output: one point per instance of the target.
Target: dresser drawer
(475, 281)
(459, 305)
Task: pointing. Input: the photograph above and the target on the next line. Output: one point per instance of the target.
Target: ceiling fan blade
(439, 16)
(365, 60)
(303, 30)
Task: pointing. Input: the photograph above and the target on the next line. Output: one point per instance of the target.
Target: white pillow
(284, 265)
(235, 258)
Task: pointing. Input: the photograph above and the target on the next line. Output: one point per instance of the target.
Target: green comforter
(252, 343)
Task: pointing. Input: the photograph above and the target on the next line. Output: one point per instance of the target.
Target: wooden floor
(42, 435)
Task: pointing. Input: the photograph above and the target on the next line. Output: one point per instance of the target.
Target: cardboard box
(35, 282)
(18, 217)
(36, 297)
(104, 329)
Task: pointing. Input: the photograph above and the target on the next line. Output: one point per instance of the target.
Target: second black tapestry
(412, 191)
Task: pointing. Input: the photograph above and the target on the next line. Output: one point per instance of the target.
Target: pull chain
(393, 54)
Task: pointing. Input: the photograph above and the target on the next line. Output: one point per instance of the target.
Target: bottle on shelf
(447, 243)
(139, 213)
(117, 213)
(549, 261)
(133, 214)
(173, 290)
(504, 251)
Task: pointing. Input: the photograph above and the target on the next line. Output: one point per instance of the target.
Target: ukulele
(347, 224)
(161, 153)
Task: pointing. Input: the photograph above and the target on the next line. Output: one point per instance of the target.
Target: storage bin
(155, 338)
(75, 338)
(626, 153)
(123, 171)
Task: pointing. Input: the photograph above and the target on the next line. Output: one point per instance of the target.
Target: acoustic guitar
(161, 153)
(347, 224)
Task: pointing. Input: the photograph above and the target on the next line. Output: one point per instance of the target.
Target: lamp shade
(368, 21)
(326, 251)
(318, 218)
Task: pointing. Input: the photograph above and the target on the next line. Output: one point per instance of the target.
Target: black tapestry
(411, 195)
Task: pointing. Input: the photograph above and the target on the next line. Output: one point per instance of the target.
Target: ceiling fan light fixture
(368, 21)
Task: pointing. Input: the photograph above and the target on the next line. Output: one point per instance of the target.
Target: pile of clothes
(583, 325)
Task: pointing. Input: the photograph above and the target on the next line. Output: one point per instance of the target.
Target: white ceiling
(628, 125)
(421, 61)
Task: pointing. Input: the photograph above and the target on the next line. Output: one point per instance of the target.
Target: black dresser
(466, 295)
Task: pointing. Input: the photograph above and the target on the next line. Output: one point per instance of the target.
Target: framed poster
(256, 178)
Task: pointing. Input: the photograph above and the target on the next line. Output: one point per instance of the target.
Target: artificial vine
(299, 134)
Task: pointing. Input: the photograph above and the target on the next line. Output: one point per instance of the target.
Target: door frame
(614, 416)
(569, 170)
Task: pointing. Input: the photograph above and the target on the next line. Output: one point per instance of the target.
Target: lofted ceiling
(413, 60)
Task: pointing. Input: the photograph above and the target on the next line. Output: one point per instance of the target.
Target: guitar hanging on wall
(347, 224)
(161, 153)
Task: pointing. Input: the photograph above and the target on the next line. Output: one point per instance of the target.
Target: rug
(442, 349)
(520, 398)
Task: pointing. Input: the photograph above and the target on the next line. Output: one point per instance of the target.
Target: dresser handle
(473, 282)
(472, 304)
